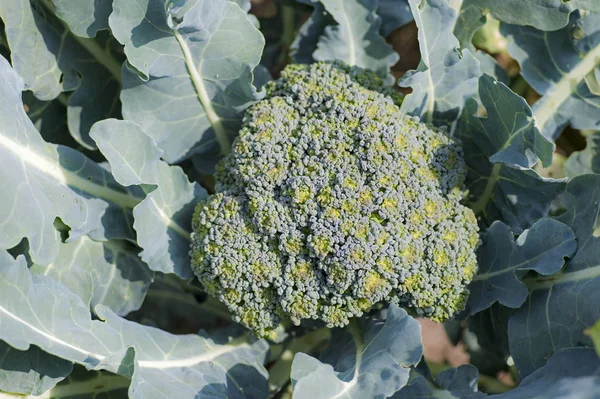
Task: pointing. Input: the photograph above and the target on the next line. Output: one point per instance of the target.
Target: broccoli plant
(299, 198)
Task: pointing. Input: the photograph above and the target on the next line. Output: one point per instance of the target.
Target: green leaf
(370, 358)
(503, 261)
(547, 15)
(394, 14)
(48, 181)
(193, 78)
(356, 39)
(106, 273)
(570, 373)
(586, 161)
(556, 64)
(35, 310)
(163, 219)
(30, 372)
(499, 151)
(58, 61)
(560, 306)
(445, 77)
(83, 17)
(89, 384)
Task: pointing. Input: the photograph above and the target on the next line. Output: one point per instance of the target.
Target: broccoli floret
(332, 201)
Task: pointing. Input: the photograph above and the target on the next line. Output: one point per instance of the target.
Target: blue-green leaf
(586, 161)
(193, 65)
(499, 151)
(83, 17)
(445, 77)
(561, 306)
(36, 310)
(503, 261)
(48, 181)
(106, 273)
(370, 358)
(305, 43)
(163, 219)
(556, 64)
(355, 39)
(51, 60)
(394, 14)
(569, 374)
(455, 383)
(30, 372)
(545, 15)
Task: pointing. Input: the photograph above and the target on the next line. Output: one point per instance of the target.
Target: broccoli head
(332, 201)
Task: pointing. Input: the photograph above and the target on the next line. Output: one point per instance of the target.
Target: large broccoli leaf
(585, 161)
(547, 15)
(570, 373)
(500, 150)
(35, 310)
(370, 358)
(58, 61)
(356, 39)
(163, 219)
(193, 77)
(107, 273)
(445, 77)
(504, 261)
(43, 182)
(561, 66)
(561, 306)
(30, 372)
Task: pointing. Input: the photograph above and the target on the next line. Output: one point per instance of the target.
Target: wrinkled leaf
(106, 273)
(499, 150)
(35, 310)
(556, 65)
(90, 384)
(163, 219)
(30, 372)
(559, 308)
(305, 43)
(503, 261)
(57, 61)
(586, 161)
(84, 17)
(394, 14)
(355, 39)
(43, 181)
(193, 65)
(445, 77)
(570, 373)
(370, 358)
(542, 14)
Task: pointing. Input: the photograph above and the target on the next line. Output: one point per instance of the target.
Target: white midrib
(541, 282)
(65, 177)
(567, 85)
(351, 44)
(486, 276)
(357, 362)
(426, 61)
(169, 222)
(151, 364)
(211, 114)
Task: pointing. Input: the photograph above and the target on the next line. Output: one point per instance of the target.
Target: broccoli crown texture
(331, 201)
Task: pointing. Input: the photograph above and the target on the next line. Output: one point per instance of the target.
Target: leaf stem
(481, 203)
